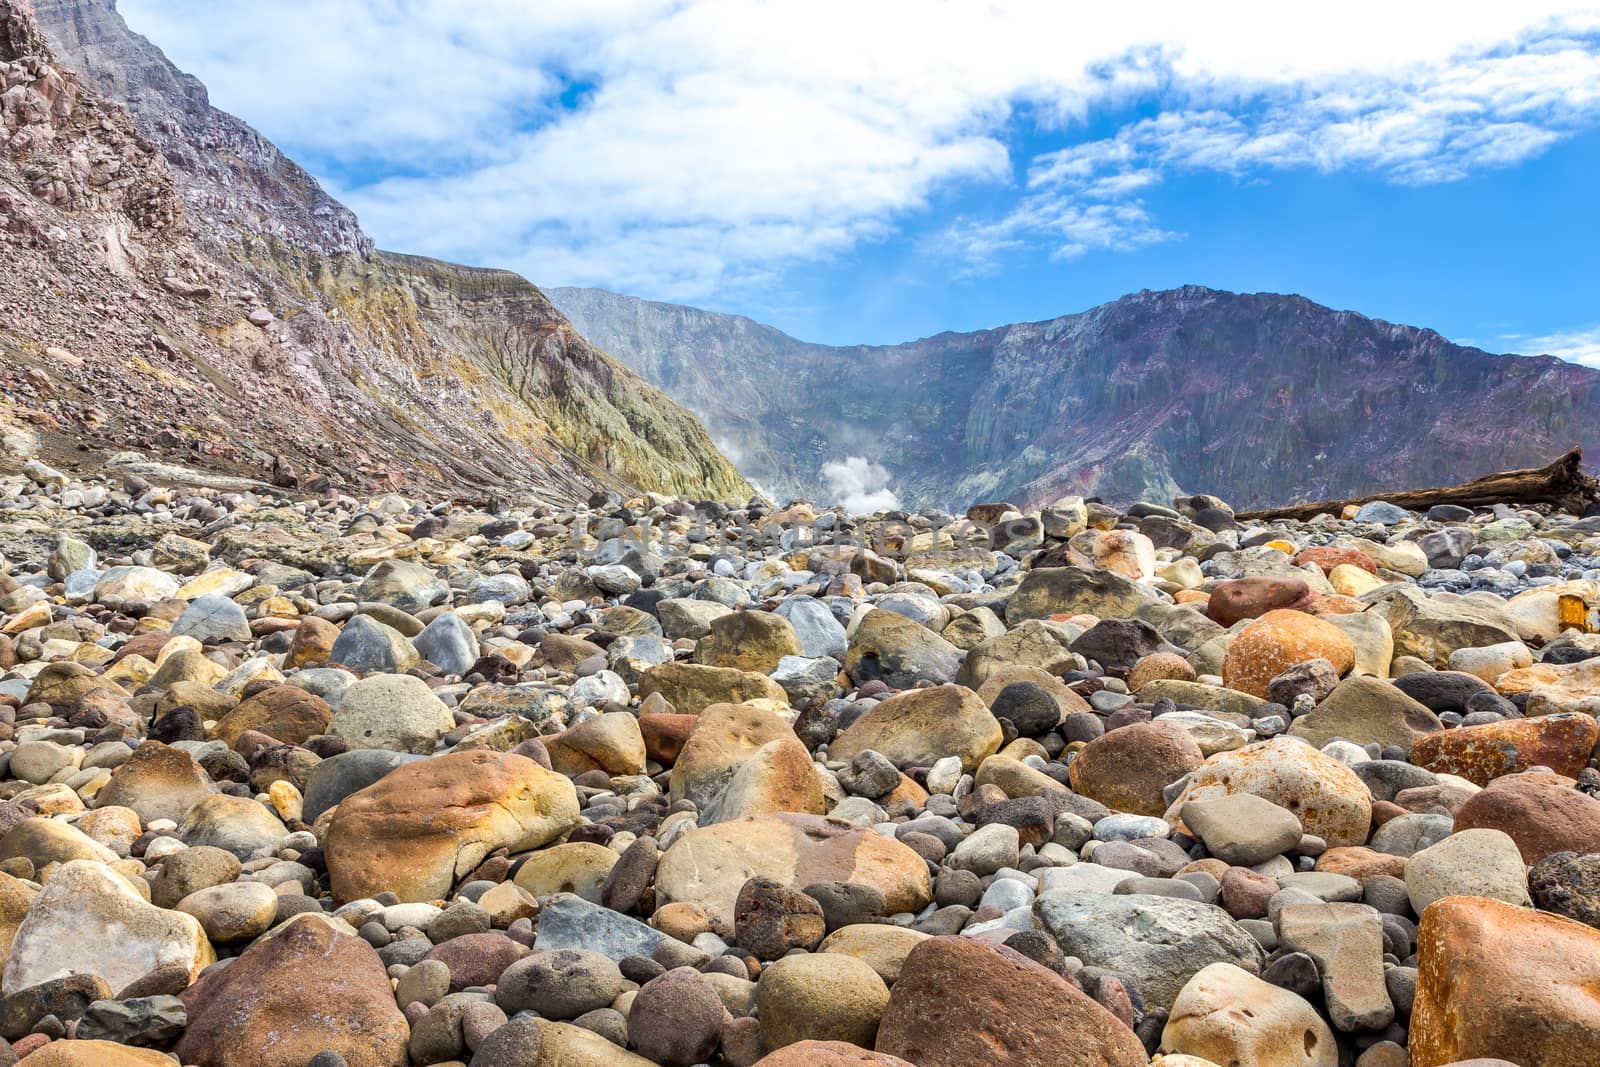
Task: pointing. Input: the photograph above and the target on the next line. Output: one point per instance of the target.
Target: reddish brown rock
(959, 1003)
(665, 735)
(145, 645)
(1360, 862)
(1498, 981)
(1326, 557)
(312, 643)
(1483, 753)
(302, 991)
(1158, 666)
(1277, 641)
(1128, 768)
(286, 712)
(477, 959)
(158, 782)
(1542, 813)
(1251, 598)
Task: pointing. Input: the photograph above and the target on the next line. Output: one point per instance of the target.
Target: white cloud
(1574, 346)
(715, 143)
(858, 484)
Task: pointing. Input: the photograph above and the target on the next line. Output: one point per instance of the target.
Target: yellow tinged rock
(577, 867)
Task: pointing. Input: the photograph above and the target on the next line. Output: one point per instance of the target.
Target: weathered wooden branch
(1562, 484)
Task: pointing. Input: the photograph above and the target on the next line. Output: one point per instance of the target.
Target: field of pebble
(341, 783)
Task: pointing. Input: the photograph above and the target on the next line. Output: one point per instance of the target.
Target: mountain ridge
(176, 286)
(1117, 400)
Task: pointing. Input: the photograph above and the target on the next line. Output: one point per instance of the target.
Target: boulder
(567, 1045)
(710, 865)
(1541, 812)
(402, 584)
(610, 742)
(366, 645)
(1031, 644)
(448, 643)
(1325, 795)
(397, 712)
(213, 620)
(87, 920)
(1501, 982)
(1561, 742)
(1346, 941)
(305, 990)
(692, 687)
(819, 633)
(158, 782)
(1567, 884)
(1159, 942)
(1066, 591)
(1364, 710)
(882, 946)
(94, 1054)
(239, 824)
(960, 1002)
(1242, 829)
(751, 641)
(424, 824)
(1431, 627)
(1130, 767)
(731, 742)
(1250, 598)
(1476, 863)
(828, 1054)
(819, 997)
(338, 776)
(1278, 640)
(888, 647)
(286, 712)
(1228, 1015)
(922, 726)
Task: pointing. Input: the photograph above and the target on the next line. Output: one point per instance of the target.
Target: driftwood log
(1561, 484)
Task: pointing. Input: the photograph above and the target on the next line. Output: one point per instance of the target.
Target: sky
(875, 171)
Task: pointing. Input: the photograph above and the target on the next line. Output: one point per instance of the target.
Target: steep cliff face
(173, 284)
(1261, 398)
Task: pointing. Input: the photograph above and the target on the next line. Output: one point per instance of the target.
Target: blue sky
(874, 172)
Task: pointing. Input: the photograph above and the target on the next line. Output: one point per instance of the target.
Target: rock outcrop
(176, 292)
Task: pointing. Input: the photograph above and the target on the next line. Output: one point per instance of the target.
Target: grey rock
(1160, 942)
(212, 619)
(448, 643)
(819, 632)
(338, 776)
(367, 645)
(570, 922)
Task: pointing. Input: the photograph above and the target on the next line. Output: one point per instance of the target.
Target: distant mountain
(171, 283)
(1260, 398)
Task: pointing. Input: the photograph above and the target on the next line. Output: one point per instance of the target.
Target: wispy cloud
(686, 147)
(1574, 346)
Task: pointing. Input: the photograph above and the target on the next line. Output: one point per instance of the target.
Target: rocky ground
(310, 783)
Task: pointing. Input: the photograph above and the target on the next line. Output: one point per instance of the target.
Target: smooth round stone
(426, 983)
(236, 911)
(1006, 894)
(1476, 863)
(1125, 827)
